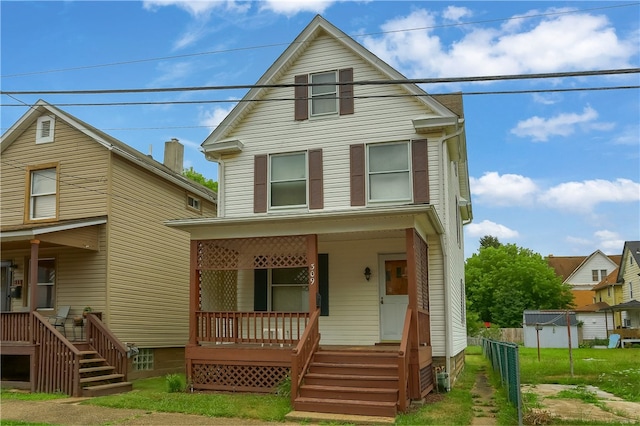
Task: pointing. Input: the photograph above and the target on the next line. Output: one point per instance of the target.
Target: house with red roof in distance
(582, 273)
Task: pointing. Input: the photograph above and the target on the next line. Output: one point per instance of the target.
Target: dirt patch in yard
(483, 401)
(607, 409)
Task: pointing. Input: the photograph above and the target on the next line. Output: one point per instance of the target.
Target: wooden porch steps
(354, 382)
(97, 377)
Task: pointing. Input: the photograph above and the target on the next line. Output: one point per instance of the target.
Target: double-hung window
(324, 98)
(288, 180)
(389, 172)
(43, 187)
(290, 290)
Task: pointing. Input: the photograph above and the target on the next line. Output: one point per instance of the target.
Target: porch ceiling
(329, 226)
(77, 233)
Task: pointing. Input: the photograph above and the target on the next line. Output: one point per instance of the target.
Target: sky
(554, 171)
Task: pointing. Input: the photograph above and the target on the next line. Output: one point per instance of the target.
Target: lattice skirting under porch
(237, 378)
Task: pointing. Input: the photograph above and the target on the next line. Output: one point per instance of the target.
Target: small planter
(86, 311)
(78, 321)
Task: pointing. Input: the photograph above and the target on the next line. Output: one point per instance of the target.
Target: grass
(616, 370)
(153, 395)
(9, 394)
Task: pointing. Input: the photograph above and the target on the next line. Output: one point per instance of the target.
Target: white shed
(550, 328)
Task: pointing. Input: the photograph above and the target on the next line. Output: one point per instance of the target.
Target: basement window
(144, 360)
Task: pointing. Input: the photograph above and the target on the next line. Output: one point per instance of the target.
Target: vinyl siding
(437, 308)
(148, 261)
(83, 166)
(270, 128)
(594, 325)
(582, 279)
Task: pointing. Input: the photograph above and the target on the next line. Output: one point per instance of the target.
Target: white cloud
(171, 72)
(628, 136)
(214, 117)
(608, 241)
(529, 45)
(198, 8)
(486, 227)
(292, 7)
(456, 13)
(546, 98)
(582, 197)
(508, 189)
(540, 129)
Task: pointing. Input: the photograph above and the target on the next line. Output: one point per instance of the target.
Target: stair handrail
(303, 352)
(103, 341)
(403, 361)
(54, 353)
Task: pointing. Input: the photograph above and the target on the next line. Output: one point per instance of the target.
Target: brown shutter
(260, 184)
(316, 191)
(356, 163)
(301, 103)
(346, 91)
(420, 167)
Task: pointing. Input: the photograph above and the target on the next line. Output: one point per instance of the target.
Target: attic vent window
(44, 129)
(194, 203)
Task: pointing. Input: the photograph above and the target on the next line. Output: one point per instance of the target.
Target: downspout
(445, 259)
(220, 193)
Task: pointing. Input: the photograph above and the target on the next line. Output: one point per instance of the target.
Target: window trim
(28, 214)
(270, 181)
(197, 200)
(53, 284)
(39, 127)
(409, 172)
(335, 92)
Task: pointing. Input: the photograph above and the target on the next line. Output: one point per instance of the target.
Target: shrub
(175, 383)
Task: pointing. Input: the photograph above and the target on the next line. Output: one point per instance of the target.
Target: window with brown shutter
(356, 163)
(316, 191)
(326, 98)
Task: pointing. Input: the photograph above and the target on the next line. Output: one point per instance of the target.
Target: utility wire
(355, 83)
(239, 49)
(233, 101)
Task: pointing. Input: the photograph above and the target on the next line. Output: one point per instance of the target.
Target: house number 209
(312, 274)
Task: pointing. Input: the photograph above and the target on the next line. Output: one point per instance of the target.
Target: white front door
(394, 296)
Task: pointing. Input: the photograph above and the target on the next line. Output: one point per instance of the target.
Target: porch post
(414, 364)
(33, 276)
(193, 293)
(312, 260)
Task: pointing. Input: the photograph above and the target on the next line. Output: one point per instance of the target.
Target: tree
(503, 281)
(199, 178)
(489, 241)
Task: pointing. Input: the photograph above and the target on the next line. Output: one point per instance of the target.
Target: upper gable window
(323, 99)
(389, 172)
(288, 180)
(333, 94)
(194, 203)
(43, 186)
(44, 129)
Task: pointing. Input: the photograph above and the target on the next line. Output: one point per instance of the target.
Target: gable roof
(316, 27)
(120, 148)
(594, 307)
(609, 280)
(633, 248)
(567, 266)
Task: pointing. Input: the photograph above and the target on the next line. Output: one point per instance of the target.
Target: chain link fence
(504, 359)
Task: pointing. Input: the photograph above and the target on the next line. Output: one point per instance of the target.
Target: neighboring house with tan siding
(339, 235)
(91, 210)
(583, 272)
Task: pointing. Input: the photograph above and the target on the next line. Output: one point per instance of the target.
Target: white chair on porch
(60, 319)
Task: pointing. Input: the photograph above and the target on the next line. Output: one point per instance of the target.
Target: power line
(233, 101)
(441, 80)
(239, 49)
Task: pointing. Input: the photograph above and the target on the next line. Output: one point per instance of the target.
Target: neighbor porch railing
(303, 352)
(59, 360)
(251, 327)
(103, 341)
(15, 327)
(626, 333)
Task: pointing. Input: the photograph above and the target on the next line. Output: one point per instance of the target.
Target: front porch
(241, 350)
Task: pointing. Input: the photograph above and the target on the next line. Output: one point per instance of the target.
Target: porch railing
(15, 327)
(626, 333)
(403, 361)
(59, 360)
(103, 341)
(303, 352)
(251, 327)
